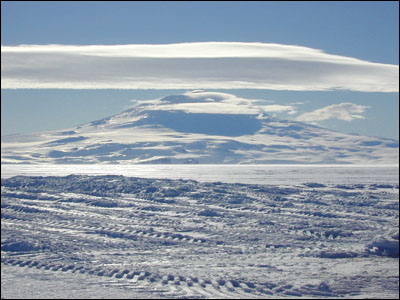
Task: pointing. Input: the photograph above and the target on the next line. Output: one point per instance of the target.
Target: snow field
(189, 239)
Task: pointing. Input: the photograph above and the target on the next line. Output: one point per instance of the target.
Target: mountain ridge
(198, 127)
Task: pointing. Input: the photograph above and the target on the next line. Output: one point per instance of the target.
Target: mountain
(197, 127)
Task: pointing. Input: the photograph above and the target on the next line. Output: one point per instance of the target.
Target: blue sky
(365, 30)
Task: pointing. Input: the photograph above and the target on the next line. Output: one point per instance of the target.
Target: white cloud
(211, 65)
(204, 102)
(213, 103)
(342, 111)
(292, 112)
(279, 108)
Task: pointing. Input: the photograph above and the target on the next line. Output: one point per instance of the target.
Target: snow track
(186, 239)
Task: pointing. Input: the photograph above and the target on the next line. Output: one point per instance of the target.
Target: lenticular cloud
(218, 65)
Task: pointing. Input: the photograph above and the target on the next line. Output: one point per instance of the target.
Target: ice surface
(262, 174)
(113, 236)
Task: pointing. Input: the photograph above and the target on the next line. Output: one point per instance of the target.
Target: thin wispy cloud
(208, 65)
(342, 111)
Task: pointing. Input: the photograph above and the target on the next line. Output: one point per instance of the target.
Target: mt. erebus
(197, 127)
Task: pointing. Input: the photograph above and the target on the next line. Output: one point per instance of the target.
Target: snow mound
(385, 246)
(336, 254)
(18, 246)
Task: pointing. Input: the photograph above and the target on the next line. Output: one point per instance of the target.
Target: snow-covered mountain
(197, 127)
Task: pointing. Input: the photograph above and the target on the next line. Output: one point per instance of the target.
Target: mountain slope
(197, 127)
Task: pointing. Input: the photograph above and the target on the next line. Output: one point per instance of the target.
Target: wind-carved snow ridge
(198, 127)
(188, 239)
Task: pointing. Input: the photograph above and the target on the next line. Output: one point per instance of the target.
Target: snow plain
(324, 232)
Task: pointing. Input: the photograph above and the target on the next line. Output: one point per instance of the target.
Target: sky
(334, 64)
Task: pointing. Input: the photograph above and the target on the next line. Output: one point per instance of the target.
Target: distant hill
(197, 127)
